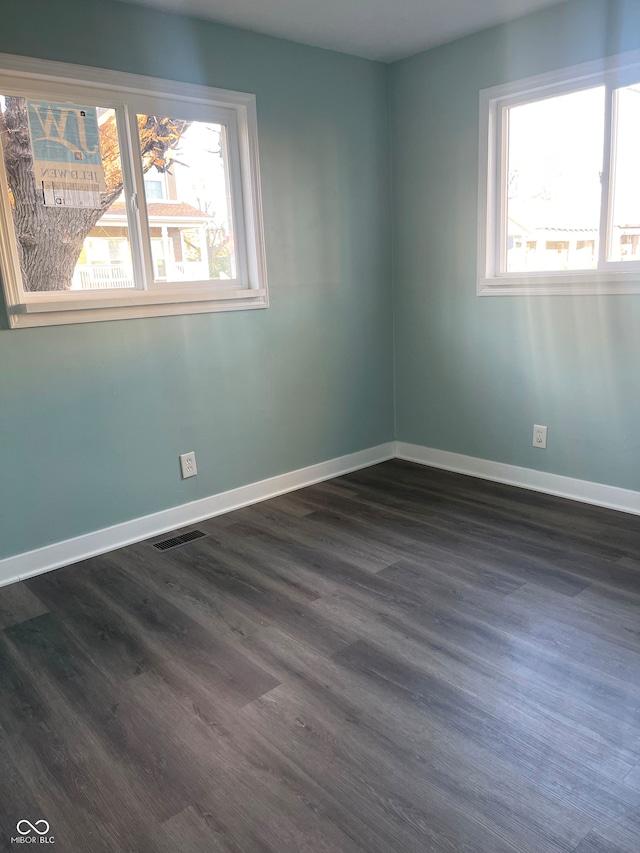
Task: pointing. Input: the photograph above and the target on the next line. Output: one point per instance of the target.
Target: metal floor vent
(174, 541)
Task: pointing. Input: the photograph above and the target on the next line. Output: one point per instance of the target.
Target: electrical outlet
(188, 464)
(540, 436)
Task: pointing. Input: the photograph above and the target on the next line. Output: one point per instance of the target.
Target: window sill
(563, 284)
(50, 312)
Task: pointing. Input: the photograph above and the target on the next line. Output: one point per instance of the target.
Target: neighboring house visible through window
(123, 196)
(559, 188)
(183, 248)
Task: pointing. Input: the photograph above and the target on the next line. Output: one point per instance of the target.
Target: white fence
(90, 277)
(104, 276)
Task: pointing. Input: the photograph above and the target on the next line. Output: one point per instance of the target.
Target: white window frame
(128, 94)
(610, 277)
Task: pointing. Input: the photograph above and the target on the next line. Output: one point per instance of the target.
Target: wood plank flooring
(401, 660)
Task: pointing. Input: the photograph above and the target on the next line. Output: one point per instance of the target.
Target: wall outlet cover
(540, 436)
(188, 464)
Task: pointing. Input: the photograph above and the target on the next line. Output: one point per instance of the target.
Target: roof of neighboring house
(162, 210)
(559, 230)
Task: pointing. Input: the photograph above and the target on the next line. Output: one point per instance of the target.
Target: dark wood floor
(402, 659)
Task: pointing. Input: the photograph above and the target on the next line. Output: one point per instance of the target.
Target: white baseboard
(611, 497)
(30, 563)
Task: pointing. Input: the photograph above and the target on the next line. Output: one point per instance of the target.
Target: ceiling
(374, 29)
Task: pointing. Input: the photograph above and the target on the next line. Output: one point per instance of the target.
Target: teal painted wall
(474, 374)
(93, 417)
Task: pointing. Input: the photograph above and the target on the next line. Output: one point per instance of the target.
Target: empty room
(319, 426)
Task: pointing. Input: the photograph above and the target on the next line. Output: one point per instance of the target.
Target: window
(123, 196)
(153, 189)
(559, 185)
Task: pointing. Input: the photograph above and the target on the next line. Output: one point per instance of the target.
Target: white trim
(613, 66)
(30, 563)
(610, 277)
(46, 70)
(599, 283)
(598, 494)
(130, 312)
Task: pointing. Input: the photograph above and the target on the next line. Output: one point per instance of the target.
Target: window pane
(625, 223)
(187, 198)
(553, 182)
(65, 182)
(153, 189)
